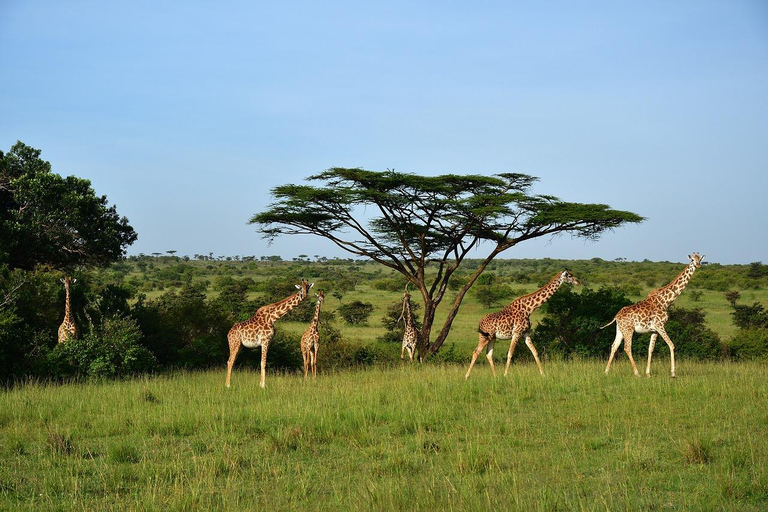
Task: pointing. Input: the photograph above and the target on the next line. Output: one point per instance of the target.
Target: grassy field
(402, 438)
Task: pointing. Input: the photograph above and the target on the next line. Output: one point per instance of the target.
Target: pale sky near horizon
(186, 114)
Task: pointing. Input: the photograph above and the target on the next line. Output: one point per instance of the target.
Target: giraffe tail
(609, 323)
(486, 334)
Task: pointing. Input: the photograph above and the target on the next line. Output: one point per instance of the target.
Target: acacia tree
(424, 227)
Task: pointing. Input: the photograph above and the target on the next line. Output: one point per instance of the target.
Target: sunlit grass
(404, 438)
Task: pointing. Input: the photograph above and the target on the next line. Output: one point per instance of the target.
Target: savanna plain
(394, 438)
(399, 436)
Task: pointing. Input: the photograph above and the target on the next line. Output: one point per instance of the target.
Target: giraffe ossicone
(650, 315)
(514, 321)
(258, 330)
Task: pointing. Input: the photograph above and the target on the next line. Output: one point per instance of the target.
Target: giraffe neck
(316, 318)
(408, 319)
(283, 307)
(673, 290)
(67, 302)
(534, 300)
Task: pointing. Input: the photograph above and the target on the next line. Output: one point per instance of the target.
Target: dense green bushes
(124, 332)
(112, 349)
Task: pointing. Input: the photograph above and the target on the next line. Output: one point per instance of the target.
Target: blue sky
(186, 114)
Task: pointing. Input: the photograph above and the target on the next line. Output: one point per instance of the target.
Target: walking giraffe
(68, 328)
(514, 321)
(258, 330)
(310, 340)
(411, 335)
(650, 315)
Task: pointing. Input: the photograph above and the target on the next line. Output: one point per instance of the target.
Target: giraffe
(258, 330)
(650, 315)
(311, 338)
(411, 335)
(68, 329)
(514, 321)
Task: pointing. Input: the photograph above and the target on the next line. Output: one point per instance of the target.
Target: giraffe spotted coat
(650, 315)
(514, 321)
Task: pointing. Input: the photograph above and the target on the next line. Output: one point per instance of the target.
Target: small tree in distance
(425, 226)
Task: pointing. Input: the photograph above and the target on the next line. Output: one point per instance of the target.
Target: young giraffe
(410, 336)
(311, 338)
(259, 329)
(68, 328)
(650, 315)
(514, 321)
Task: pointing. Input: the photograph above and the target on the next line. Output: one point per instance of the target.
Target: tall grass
(402, 438)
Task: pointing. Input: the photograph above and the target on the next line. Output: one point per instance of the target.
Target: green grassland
(411, 437)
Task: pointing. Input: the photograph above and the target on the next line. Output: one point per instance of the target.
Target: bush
(109, 350)
(184, 329)
(355, 312)
(687, 330)
(572, 322)
(749, 344)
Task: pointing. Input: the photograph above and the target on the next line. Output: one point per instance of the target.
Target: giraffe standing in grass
(258, 330)
(411, 335)
(310, 340)
(650, 315)
(68, 328)
(514, 321)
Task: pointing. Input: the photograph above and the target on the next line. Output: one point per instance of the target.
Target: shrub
(573, 321)
(355, 312)
(688, 331)
(749, 344)
(109, 350)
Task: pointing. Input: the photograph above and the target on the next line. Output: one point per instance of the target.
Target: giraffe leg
(489, 354)
(614, 348)
(402, 353)
(234, 349)
(533, 351)
(305, 355)
(651, 346)
(482, 342)
(314, 363)
(628, 350)
(512, 345)
(671, 349)
(410, 353)
(262, 383)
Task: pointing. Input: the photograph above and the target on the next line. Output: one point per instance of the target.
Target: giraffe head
(304, 288)
(407, 294)
(567, 277)
(68, 280)
(696, 259)
(320, 296)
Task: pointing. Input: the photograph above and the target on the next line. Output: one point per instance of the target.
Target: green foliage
(573, 320)
(688, 331)
(355, 312)
(748, 344)
(50, 220)
(750, 317)
(110, 350)
(429, 221)
(184, 328)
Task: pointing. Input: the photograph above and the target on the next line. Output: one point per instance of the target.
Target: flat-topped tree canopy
(406, 221)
